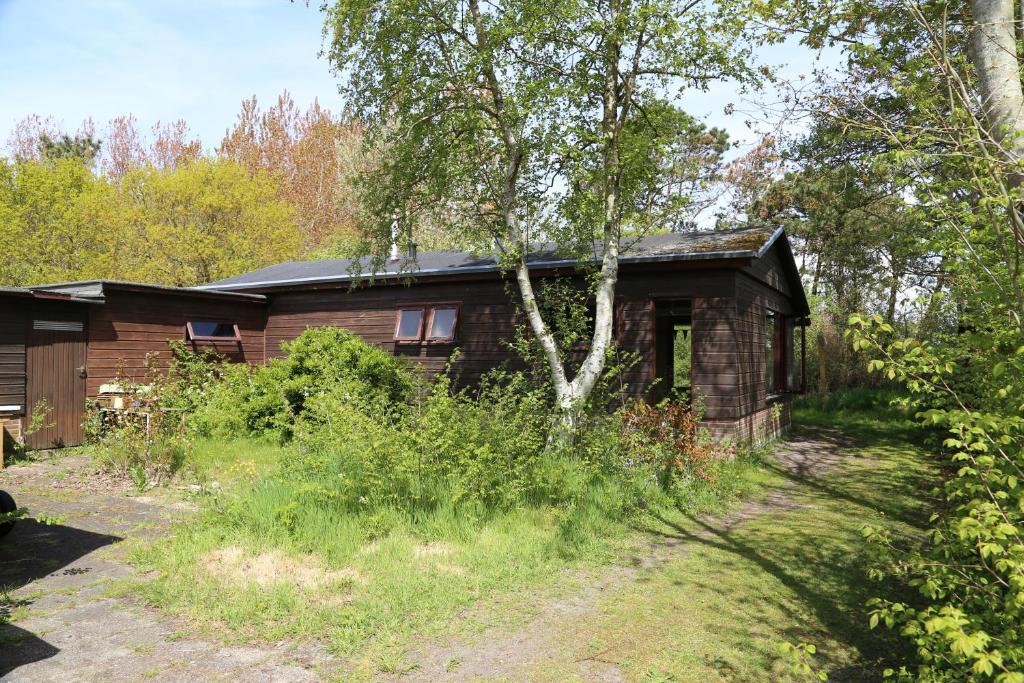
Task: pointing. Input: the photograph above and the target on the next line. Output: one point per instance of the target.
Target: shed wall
(132, 327)
(12, 352)
(760, 288)
(486, 321)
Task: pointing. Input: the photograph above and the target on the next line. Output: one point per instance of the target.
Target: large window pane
(769, 351)
(794, 356)
(442, 323)
(410, 322)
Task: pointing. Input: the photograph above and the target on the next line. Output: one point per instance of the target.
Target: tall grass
(361, 509)
(852, 399)
(405, 571)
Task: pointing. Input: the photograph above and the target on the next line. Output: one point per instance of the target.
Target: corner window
(772, 359)
(409, 326)
(784, 353)
(208, 330)
(795, 345)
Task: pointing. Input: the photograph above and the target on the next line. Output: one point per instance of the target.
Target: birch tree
(995, 52)
(534, 121)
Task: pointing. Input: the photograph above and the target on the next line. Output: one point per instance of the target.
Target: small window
(410, 324)
(431, 323)
(206, 330)
(442, 323)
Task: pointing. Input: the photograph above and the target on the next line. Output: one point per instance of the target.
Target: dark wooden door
(56, 381)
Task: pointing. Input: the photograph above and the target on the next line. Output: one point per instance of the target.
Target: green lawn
(721, 610)
(717, 607)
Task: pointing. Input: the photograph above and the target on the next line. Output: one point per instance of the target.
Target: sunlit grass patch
(236, 461)
(254, 565)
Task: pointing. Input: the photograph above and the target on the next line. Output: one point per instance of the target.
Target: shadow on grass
(32, 551)
(809, 540)
(870, 444)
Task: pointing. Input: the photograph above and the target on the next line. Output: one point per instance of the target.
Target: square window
(208, 330)
(410, 324)
(442, 323)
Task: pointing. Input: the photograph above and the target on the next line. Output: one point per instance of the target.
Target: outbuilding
(730, 304)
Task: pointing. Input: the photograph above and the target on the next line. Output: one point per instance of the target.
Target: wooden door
(56, 375)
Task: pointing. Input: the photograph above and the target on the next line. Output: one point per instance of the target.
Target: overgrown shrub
(374, 441)
(965, 622)
(477, 448)
(268, 401)
(668, 439)
(148, 441)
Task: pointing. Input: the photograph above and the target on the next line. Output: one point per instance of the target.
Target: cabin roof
(94, 291)
(690, 246)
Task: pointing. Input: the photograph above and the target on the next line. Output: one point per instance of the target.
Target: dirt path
(64, 626)
(517, 654)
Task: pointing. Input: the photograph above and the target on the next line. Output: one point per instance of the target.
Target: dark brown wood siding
(762, 287)
(55, 388)
(487, 323)
(12, 352)
(129, 332)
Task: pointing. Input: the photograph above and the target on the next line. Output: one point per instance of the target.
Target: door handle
(82, 372)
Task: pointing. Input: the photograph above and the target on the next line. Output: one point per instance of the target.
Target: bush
(666, 438)
(370, 440)
(268, 401)
(478, 449)
(965, 621)
(150, 441)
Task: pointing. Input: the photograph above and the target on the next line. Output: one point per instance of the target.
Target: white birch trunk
(994, 53)
(570, 397)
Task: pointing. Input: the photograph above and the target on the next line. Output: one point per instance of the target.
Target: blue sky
(162, 60)
(157, 59)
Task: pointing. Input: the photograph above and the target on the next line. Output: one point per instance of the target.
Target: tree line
(119, 202)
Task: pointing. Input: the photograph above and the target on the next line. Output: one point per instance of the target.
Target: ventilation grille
(58, 325)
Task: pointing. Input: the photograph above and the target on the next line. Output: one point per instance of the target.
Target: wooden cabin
(731, 302)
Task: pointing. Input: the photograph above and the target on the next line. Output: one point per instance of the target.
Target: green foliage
(147, 445)
(450, 141)
(483, 450)
(82, 148)
(966, 622)
(320, 363)
(510, 122)
(40, 417)
(370, 436)
(668, 438)
(853, 399)
(204, 221)
(182, 226)
(421, 498)
(800, 659)
(149, 440)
